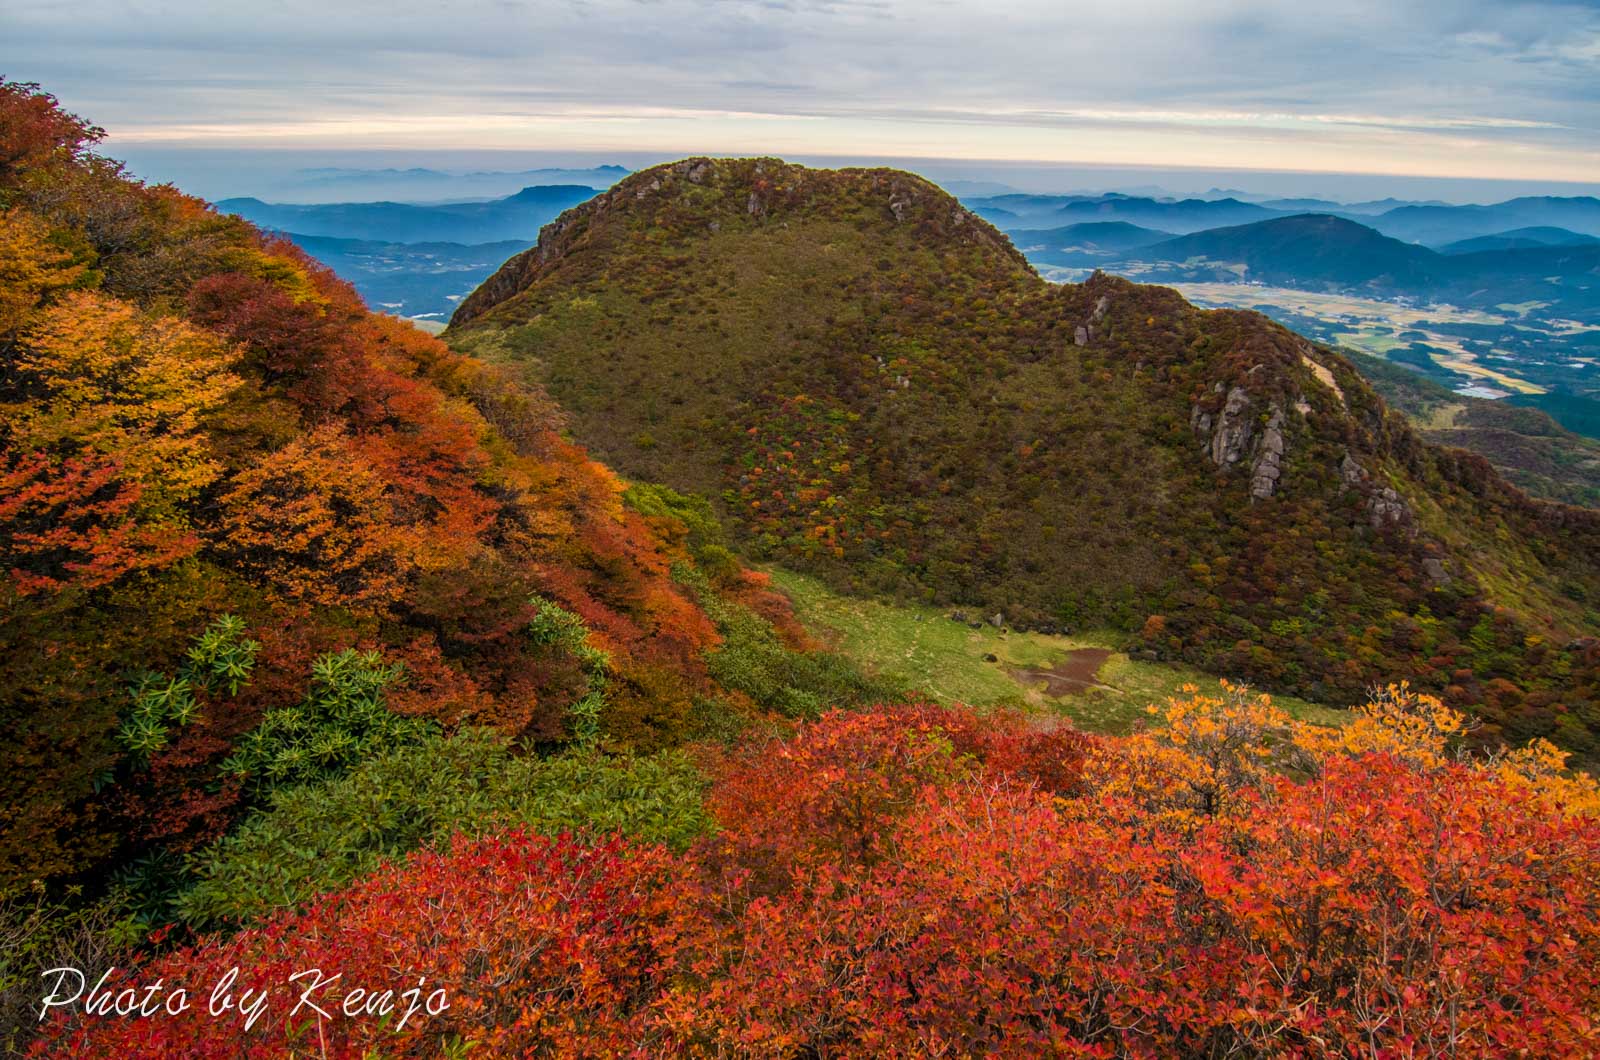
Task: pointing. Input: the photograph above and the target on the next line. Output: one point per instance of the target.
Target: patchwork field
(1084, 676)
(1380, 327)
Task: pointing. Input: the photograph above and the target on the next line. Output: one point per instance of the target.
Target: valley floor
(1084, 676)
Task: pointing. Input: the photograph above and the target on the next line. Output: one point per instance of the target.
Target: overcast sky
(1481, 88)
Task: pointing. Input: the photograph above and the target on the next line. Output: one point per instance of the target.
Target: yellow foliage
(1541, 768)
(1212, 746)
(1410, 725)
(314, 518)
(284, 273)
(110, 379)
(1209, 748)
(30, 268)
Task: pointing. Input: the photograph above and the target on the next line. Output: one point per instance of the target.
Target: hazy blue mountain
(1041, 212)
(1519, 239)
(597, 176)
(1084, 244)
(518, 216)
(999, 216)
(1437, 225)
(964, 189)
(1182, 216)
(1322, 252)
(1304, 205)
(1022, 206)
(1344, 209)
(1317, 249)
(420, 184)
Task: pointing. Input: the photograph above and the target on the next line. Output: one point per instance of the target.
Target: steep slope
(196, 422)
(516, 216)
(874, 384)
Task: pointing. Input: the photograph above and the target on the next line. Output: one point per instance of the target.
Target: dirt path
(1073, 675)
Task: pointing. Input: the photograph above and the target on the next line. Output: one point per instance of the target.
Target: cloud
(1482, 85)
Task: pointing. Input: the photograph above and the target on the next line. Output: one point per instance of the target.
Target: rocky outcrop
(1268, 466)
(1386, 508)
(1235, 425)
(1234, 436)
(1084, 334)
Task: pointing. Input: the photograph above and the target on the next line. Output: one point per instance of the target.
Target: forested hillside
(876, 386)
(240, 511)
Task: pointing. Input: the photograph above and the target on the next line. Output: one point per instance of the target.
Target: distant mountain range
(1087, 244)
(597, 176)
(418, 184)
(1436, 225)
(1019, 211)
(1520, 239)
(1377, 206)
(1429, 223)
(1315, 248)
(516, 217)
(1324, 252)
(1327, 252)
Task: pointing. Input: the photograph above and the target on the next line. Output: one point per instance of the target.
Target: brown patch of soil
(1072, 676)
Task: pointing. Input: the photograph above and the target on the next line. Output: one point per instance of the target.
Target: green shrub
(220, 658)
(554, 626)
(754, 660)
(318, 836)
(342, 721)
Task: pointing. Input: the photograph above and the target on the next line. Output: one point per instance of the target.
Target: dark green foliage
(316, 837)
(342, 721)
(554, 626)
(1579, 414)
(221, 659)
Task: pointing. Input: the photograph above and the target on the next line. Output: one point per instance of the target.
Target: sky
(1479, 89)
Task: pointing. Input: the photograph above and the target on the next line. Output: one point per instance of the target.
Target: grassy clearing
(926, 650)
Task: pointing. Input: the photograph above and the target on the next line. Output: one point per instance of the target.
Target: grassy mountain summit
(875, 386)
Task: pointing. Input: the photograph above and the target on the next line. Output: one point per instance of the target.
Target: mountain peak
(710, 195)
(872, 385)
